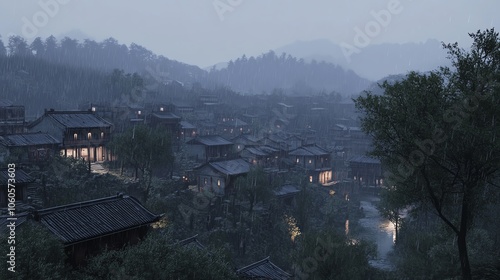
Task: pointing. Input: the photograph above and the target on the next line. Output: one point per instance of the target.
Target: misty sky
(195, 32)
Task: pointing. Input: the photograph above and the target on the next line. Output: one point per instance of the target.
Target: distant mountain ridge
(376, 60)
(254, 75)
(269, 71)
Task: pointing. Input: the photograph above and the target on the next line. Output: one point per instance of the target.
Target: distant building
(263, 156)
(82, 133)
(188, 130)
(315, 160)
(366, 171)
(218, 177)
(28, 147)
(169, 121)
(233, 126)
(209, 147)
(243, 140)
(12, 118)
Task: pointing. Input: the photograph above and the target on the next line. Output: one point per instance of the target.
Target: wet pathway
(378, 230)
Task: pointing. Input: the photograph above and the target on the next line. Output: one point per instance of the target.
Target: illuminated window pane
(75, 136)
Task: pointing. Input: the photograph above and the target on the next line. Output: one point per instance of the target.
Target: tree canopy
(436, 135)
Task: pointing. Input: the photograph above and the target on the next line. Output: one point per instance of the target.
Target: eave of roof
(264, 269)
(88, 220)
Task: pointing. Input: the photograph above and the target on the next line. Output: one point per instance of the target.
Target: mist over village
(233, 139)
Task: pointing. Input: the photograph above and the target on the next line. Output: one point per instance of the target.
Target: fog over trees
(131, 165)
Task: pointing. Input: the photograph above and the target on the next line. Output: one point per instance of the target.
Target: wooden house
(365, 171)
(28, 147)
(12, 118)
(82, 133)
(88, 227)
(263, 156)
(188, 130)
(209, 147)
(169, 121)
(315, 160)
(243, 140)
(218, 177)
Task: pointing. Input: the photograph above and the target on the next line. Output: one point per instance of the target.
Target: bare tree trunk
(462, 243)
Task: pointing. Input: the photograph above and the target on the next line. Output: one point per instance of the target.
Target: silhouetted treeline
(106, 55)
(247, 75)
(269, 71)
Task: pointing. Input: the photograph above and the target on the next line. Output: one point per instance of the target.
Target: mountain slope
(374, 61)
(268, 71)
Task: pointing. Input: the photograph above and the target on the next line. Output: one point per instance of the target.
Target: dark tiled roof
(231, 167)
(263, 269)
(21, 176)
(166, 116)
(28, 139)
(77, 119)
(90, 219)
(236, 123)
(261, 151)
(309, 151)
(209, 140)
(286, 190)
(256, 151)
(187, 125)
(364, 159)
(247, 137)
(192, 243)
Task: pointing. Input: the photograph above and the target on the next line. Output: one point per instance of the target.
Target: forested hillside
(269, 71)
(257, 75)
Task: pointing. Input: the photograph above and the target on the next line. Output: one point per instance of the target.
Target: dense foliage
(436, 134)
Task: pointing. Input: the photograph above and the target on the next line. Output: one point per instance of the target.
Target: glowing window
(298, 160)
(218, 182)
(161, 109)
(102, 134)
(310, 179)
(310, 161)
(139, 112)
(75, 136)
(89, 135)
(93, 109)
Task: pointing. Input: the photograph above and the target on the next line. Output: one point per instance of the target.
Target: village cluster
(312, 136)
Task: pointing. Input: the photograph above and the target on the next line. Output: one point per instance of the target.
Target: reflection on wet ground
(378, 230)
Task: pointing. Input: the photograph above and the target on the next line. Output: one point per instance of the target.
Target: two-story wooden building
(209, 147)
(82, 133)
(366, 171)
(218, 177)
(12, 118)
(315, 160)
